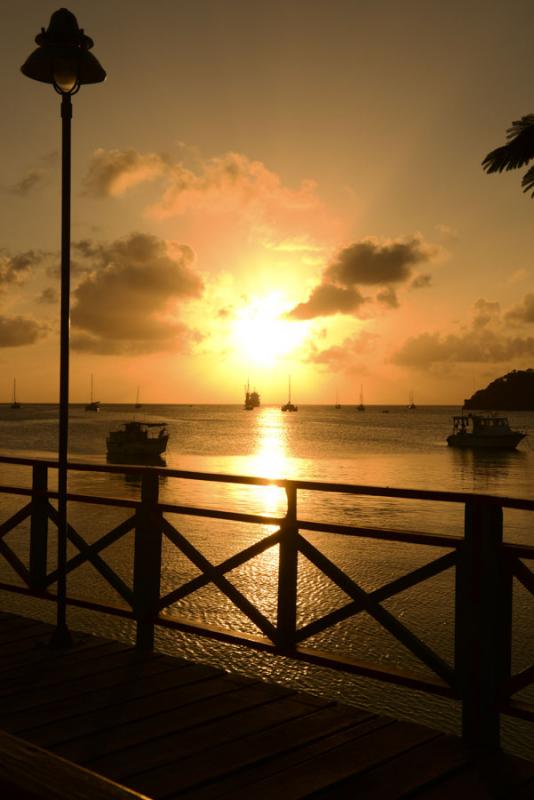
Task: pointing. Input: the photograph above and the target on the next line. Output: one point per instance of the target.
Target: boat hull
(508, 441)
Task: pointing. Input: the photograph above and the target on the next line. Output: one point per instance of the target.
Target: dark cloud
(485, 313)
(32, 180)
(371, 263)
(130, 301)
(19, 331)
(327, 299)
(366, 263)
(422, 281)
(524, 312)
(472, 346)
(388, 297)
(48, 296)
(35, 177)
(16, 268)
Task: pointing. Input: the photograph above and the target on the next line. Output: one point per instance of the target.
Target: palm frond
(528, 181)
(519, 149)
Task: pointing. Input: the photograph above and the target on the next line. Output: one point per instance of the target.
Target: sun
(260, 333)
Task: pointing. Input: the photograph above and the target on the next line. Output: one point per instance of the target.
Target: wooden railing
(480, 676)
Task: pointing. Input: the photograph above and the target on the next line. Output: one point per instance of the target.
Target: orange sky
(268, 188)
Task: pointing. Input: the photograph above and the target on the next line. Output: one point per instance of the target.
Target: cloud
(371, 263)
(522, 313)
(422, 281)
(32, 180)
(483, 346)
(16, 268)
(388, 297)
(346, 357)
(365, 263)
(35, 177)
(327, 299)
(485, 340)
(112, 172)
(131, 299)
(221, 184)
(48, 296)
(19, 331)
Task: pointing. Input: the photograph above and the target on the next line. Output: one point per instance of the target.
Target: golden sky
(264, 188)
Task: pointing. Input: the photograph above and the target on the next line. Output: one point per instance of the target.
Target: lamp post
(63, 60)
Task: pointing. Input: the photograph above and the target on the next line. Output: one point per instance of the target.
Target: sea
(386, 446)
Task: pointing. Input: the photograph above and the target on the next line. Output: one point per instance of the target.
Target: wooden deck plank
(136, 747)
(353, 757)
(144, 679)
(229, 760)
(413, 769)
(79, 731)
(172, 729)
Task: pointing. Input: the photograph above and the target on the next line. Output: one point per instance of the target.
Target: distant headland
(512, 392)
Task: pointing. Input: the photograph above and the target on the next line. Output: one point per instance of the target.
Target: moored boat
(252, 399)
(145, 441)
(289, 406)
(483, 432)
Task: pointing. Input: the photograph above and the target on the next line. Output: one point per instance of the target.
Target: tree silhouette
(518, 151)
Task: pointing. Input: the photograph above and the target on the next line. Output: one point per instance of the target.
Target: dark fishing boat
(138, 441)
(483, 432)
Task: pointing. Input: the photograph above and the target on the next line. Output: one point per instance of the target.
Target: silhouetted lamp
(63, 60)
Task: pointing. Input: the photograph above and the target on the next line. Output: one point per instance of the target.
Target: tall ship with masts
(252, 398)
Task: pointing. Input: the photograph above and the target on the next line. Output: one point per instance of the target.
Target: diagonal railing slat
(224, 585)
(378, 595)
(236, 560)
(98, 563)
(383, 617)
(14, 561)
(18, 517)
(523, 574)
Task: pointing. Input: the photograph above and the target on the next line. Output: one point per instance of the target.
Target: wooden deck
(168, 728)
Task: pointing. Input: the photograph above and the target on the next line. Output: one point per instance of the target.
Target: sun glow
(262, 336)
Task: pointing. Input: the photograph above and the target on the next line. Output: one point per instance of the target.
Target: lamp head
(63, 58)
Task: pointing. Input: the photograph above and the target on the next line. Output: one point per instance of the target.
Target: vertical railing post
(39, 528)
(287, 576)
(147, 561)
(483, 624)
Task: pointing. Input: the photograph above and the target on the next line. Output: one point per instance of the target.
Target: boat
(15, 404)
(289, 406)
(338, 404)
(411, 404)
(360, 406)
(137, 403)
(92, 405)
(143, 442)
(482, 432)
(252, 399)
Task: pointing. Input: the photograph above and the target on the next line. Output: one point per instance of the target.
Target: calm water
(390, 446)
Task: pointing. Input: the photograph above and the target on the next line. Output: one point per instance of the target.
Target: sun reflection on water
(270, 459)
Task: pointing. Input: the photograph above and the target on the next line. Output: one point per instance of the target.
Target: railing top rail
(307, 485)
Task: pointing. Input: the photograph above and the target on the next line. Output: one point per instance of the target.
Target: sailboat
(411, 404)
(361, 406)
(93, 405)
(14, 404)
(137, 403)
(289, 405)
(338, 404)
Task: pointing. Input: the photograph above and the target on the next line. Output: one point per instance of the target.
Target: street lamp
(63, 59)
